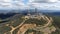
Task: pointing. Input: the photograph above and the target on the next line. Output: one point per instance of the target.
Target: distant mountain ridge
(31, 10)
(3, 16)
(10, 13)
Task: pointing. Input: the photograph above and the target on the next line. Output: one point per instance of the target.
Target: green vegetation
(35, 32)
(56, 23)
(38, 22)
(56, 32)
(15, 31)
(15, 21)
(4, 29)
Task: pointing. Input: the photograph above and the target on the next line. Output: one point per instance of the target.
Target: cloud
(11, 4)
(45, 4)
(46, 1)
(6, 0)
(20, 4)
(52, 0)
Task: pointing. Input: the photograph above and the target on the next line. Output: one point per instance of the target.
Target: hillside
(25, 24)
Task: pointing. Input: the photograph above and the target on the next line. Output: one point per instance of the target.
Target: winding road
(24, 27)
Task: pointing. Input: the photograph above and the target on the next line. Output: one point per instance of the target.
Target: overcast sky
(27, 4)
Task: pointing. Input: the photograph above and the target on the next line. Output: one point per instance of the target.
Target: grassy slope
(56, 23)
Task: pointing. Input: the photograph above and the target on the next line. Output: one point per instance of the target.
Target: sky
(30, 4)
